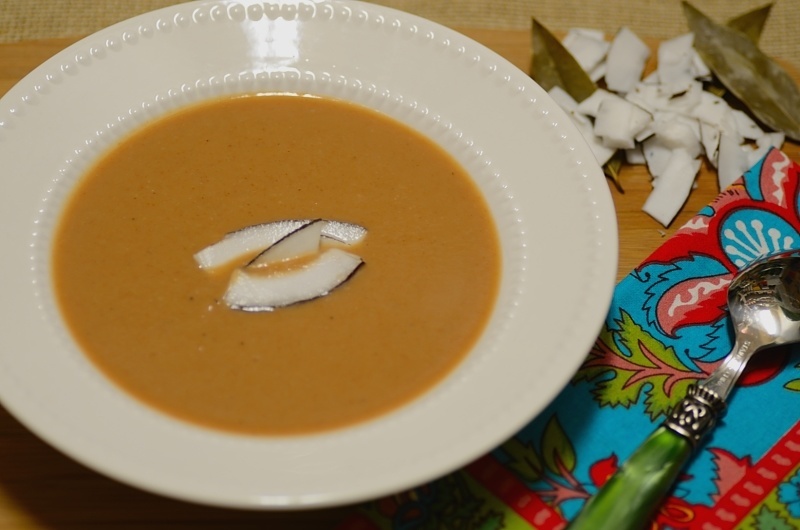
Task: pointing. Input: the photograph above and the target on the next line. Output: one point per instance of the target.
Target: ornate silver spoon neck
(724, 377)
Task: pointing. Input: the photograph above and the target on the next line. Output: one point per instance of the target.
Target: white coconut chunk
(592, 33)
(709, 137)
(598, 72)
(602, 153)
(588, 47)
(771, 139)
(678, 132)
(252, 239)
(674, 186)
(250, 291)
(678, 97)
(763, 144)
(676, 60)
(635, 156)
(570, 106)
(301, 242)
(647, 96)
(732, 161)
(682, 97)
(625, 61)
(656, 154)
(563, 99)
(619, 121)
(747, 128)
(645, 133)
(347, 233)
(715, 111)
(755, 154)
(238, 244)
(591, 105)
(701, 69)
(650, 79)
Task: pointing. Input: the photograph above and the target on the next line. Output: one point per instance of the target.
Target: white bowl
(547, 194)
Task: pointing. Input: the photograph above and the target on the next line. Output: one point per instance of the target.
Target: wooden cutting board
(42, 489)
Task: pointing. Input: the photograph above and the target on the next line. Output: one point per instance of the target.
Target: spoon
(764, 305)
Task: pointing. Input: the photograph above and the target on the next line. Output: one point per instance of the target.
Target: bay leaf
(553, 65)
(760, 83)
(751, 23)
(612, 169)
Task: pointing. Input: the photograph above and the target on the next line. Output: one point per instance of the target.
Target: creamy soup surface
(155, 323)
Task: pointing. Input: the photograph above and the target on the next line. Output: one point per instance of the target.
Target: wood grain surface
(42, 489)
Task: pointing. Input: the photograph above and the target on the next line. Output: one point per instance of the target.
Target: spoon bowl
(764, 307)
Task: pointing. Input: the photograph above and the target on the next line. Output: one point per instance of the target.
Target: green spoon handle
(632, 495)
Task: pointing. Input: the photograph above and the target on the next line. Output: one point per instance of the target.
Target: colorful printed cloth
(666, 329)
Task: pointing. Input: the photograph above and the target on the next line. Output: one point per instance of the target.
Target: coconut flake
(679, 98)
(656, 154)
(673, 187)
(301, 242)
(591, 105)
(676, 60)
(746, 127)
(257, 292)
(701, 69)
(709, 136)
(563, 99)
(587, 46)
(772, 139)
(238, 244)
(732, 160)
(247, 241)
(346, 233)
(625, 61)
(713, 110)
(677, 132)
(602, 153)
(635, 156)
(618, 121)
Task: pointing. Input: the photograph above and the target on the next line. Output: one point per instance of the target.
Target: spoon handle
(628, 500)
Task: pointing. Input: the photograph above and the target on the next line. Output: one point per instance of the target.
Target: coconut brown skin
(153, 321)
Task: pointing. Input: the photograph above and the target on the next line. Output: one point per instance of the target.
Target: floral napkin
(666, 329)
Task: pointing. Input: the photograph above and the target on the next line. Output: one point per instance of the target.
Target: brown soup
(154, 322)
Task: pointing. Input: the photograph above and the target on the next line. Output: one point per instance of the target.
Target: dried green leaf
(553, 65)
(612, 169)
(751, 23)
(759, 82)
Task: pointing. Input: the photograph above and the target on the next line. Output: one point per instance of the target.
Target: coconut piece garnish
(676, 59)
(255, 286)
(589, 48)
(347, 233)
(625, 61)
(732, 161)
(247, 241)
(672, 187)
(602, 153)
(618, 122)
(236, 245)
(300, 242)
(251, 291)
